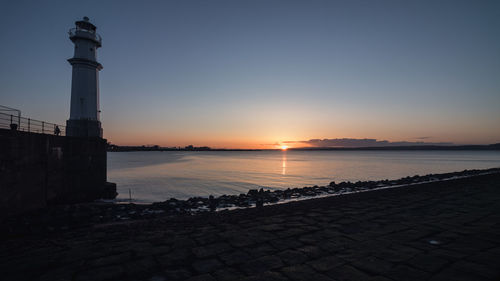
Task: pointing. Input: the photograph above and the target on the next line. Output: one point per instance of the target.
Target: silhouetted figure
(13, 127)
(212, 203)
(57, 131)
(259, 202)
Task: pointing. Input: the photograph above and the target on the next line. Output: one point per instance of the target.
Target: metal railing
(15, 122)
(75, 31)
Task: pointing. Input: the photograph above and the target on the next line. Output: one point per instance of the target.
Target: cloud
(347, 142)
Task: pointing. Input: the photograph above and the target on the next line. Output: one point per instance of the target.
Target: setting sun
(284, 147)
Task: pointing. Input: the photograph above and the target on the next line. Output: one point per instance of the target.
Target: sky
(258, 74)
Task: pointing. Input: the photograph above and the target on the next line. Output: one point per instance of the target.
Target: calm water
(157, 176)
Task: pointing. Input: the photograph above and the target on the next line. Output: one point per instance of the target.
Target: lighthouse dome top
(85, 30)
(85, 24)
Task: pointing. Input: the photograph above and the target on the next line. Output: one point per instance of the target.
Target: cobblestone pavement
(440, 231)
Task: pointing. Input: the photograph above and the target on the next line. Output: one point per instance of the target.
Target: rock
(252, 192)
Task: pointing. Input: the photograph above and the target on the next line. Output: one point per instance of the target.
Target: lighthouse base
(83, 128)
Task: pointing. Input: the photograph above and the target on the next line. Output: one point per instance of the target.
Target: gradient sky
(255, 73)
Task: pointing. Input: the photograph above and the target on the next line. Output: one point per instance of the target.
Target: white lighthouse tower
(84, 115)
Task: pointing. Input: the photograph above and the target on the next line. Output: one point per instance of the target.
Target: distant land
(117, 148)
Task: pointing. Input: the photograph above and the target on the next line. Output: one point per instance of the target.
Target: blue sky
(254, 73)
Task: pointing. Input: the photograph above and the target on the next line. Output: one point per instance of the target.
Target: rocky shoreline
(261, 197)
(64, 217)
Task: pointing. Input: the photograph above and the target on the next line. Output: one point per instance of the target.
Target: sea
(153, 176)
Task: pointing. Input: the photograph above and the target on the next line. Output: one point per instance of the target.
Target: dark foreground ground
(438, 231)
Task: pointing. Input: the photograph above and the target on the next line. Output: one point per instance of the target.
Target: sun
(284, 147)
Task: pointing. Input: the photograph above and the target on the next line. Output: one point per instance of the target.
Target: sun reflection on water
(283, 163)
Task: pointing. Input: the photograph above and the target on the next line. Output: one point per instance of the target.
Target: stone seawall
(444, 230)
(37, 170)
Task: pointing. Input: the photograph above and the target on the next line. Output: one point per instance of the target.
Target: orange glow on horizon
(284, 147)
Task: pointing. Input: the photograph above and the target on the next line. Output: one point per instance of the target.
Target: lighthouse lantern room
(84, 113)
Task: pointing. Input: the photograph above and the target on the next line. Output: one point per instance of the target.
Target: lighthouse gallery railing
(15, 122)
(76, 31)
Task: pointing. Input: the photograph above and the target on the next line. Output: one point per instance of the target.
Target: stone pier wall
(37, 170)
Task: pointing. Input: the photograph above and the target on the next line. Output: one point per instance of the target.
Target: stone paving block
(261, 265)
(311, 251)
(346, 220)
(208, 238)
(311, 228)
(326, 263)
(347, 273)
(274, 220)
(306, 221)
(206, 265)
(291, 257)
(380, 278)
(241, 241)
(285, 243)
(228, 274)
(112, 259)
(299, 272)
(329, 247)
(469, 246)
(157, 278)
(260, 250)
(475, 269)
(373, 265)
(342, 240)
(160, 250)
(350, 255)
(203, 277)
(447, 254)
(485, 258)
(140, 266)
(427, 262)
(229, 234)
(495, 250)
(58, 274)
(405, 249)
(404, 272)
(266, 276)
(328, 233)
(235, 257)
(263, 236)
(293, 231)
(406, 235)
(352, 228)
(311, 238)
(211, 249)
(488, 236)
(176, 256)
(140, 248)
(386, 228)
(183, 243)
(177, 274)
(101, 273)
(372, 246)
(271, 227)
(452, 274)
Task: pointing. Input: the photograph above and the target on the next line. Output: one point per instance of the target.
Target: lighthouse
(84, 113)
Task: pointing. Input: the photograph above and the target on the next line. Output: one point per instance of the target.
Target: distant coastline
(117, 148)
